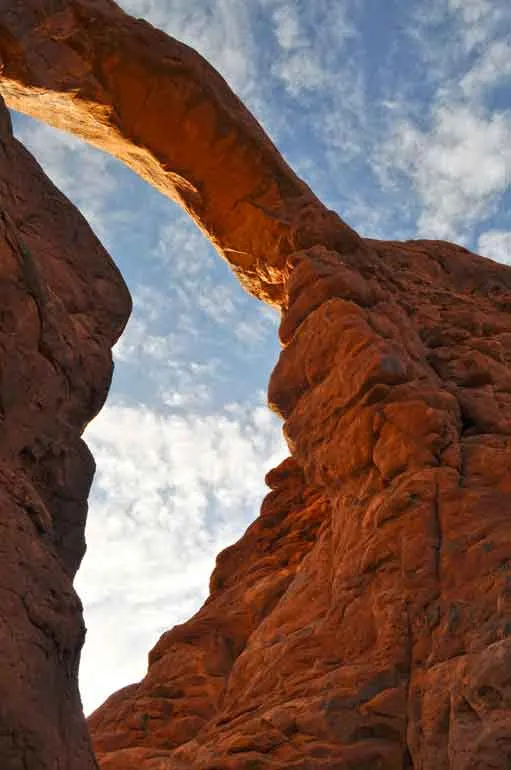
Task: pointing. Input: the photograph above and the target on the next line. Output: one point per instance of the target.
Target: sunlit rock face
(364, 619)
(63, 304)
(126, 87)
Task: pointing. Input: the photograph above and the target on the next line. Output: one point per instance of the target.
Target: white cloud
(190, 384)
(310, 37)
(287, 27)
(182, 247)
(459, 168)
(496, 244)
(137, 343)
(493, 67)
(170, 492)
(257, 329)
(302, 71)
(201, 283)
(472, 11)
(450, 153)
(165, 364)
(469, 24)
(478, 19)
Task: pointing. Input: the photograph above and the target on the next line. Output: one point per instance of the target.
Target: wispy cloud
(193, 330)
(306, 60)
(496, 244)
(458, 168)
(479, 19)
(492, 68)
(452, 148)
(170, 492)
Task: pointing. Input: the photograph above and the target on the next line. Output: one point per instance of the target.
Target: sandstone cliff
(63, 304)
(364, 620)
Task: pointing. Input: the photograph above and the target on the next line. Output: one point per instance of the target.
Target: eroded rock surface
(124, 86)
(62, 305)
(364, 620)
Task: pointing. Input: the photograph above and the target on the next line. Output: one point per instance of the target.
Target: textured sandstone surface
(62, 305)
(151, 101)
(364, 620)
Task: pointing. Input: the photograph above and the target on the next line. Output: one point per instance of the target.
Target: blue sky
(398, 114)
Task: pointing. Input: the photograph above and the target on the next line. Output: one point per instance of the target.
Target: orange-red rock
(386, 641)
(86, 66)
(62, 305)
(364, 619)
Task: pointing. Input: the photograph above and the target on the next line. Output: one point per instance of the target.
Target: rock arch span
(157, 105)
(364, 619)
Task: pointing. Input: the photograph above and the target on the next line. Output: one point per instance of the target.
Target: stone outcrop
(120, 84)
(364, 619)
(63, 304)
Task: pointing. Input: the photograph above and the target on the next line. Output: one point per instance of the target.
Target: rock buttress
(126, 87)
(62, 306)
(364, 620)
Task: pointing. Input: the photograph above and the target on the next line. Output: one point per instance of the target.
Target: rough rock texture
(62, 305)
(364, 620)
(151, 101)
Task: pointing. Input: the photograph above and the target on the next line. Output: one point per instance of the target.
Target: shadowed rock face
(62, 306)
(364, 619)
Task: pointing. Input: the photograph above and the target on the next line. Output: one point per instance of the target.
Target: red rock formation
(364, 620)
(86, 66)
(385, 640)
(63, 304)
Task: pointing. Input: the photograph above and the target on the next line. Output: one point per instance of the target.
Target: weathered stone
(63, 304)
(364, 619)
(387, 642)
(124, 86)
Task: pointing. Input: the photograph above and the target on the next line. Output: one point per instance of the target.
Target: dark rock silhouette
(364, 619)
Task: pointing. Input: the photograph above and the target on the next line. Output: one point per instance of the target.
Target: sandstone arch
(151, 101)
(364, 619)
